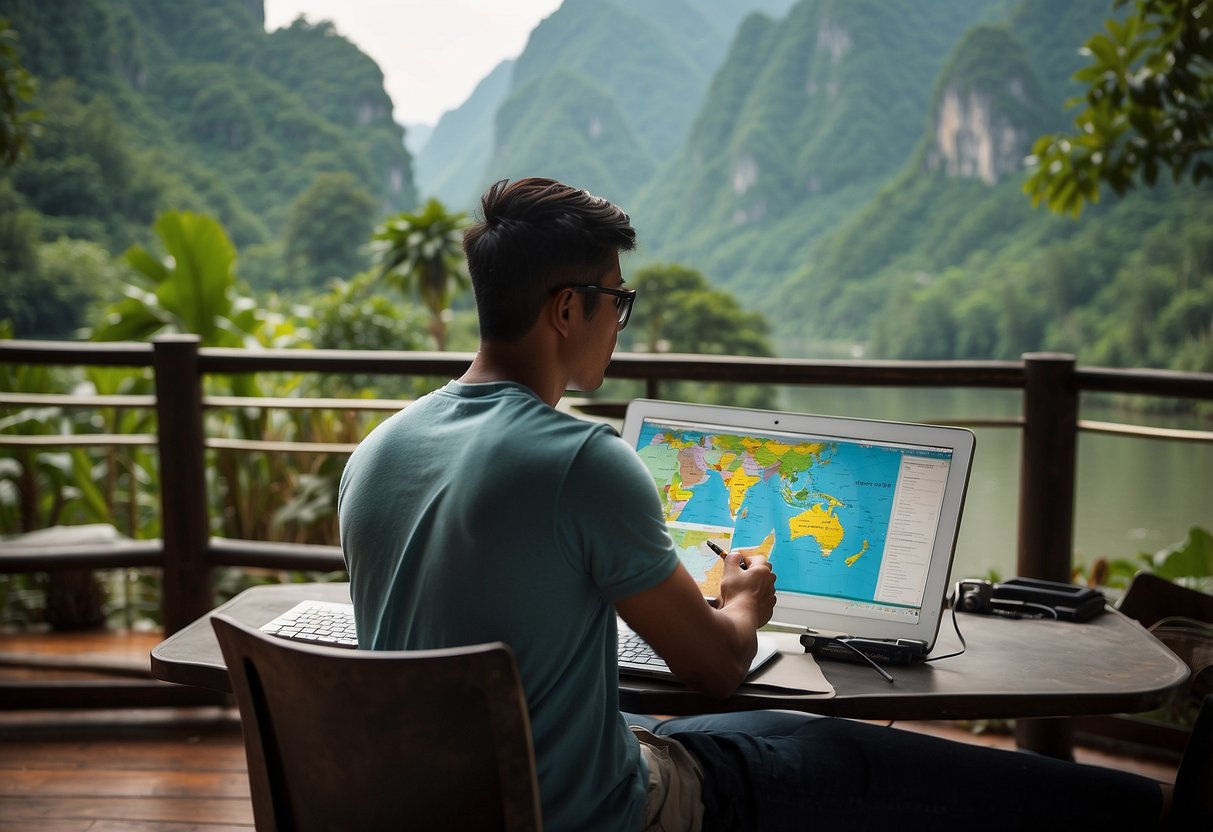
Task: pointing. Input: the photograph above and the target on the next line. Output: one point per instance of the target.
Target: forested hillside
(950, 259)
(603, 95)
(806, 119)
(854, 170)
(851, 169)
(150, 105)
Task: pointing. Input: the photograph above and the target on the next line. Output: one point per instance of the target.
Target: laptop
(858, 517)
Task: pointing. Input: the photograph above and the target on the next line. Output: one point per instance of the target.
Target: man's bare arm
(708, 648)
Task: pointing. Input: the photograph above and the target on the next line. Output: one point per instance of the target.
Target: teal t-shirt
(479, 513)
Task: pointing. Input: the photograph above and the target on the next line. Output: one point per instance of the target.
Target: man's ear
(560, 311)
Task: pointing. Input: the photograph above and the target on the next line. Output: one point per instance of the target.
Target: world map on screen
(819, 510)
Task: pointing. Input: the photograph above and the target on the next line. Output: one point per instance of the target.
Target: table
(1010, 669)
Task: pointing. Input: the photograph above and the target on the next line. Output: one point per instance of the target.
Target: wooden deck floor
(178, 769)
(162, 769)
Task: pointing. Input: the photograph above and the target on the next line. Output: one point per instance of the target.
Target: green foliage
(678, 311)
(154, 107)
(84, 176)
(261, 136)
(649, 65)
(422, 253)
(1128, 287)
(189, 289)
(75, 275)
(355, 314)
(1188, 562)
(646, 69)
(805, 120)
(569, 127)
(1148, 107)
(329, 225)
(73, 486)
(943, 265)
(20, 229)
(18, 122)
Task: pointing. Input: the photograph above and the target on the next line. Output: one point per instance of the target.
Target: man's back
(474, 515)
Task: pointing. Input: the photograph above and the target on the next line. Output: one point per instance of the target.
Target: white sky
(432, 52)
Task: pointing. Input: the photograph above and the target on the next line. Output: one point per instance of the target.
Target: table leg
(1052, 737)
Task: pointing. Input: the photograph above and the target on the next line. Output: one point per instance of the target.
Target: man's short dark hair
(533, 235)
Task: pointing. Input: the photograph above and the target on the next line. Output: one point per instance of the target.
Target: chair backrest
(1149, 599)
(358, 739)
(1182, 619)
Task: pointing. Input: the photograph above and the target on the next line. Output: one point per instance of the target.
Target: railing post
(1047, 467)
(1046, 505)
(186, 590)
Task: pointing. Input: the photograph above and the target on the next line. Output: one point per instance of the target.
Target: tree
(1148, 107)
(20, 268)
(423, 252)
(329, 224)
(74, 274)
(18, 123)
(677, 310)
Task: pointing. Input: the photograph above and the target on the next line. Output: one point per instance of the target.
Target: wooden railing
(1050, 384)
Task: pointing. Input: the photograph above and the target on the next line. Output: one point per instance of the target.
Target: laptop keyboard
(633, 650)
(316, 622)
(332, 624)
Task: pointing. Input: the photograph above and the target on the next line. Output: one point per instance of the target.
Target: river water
(1132, 495)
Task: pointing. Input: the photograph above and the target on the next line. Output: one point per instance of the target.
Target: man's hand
(751, 585)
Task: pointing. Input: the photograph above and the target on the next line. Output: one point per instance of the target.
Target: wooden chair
(1182, 619)
(353, 739)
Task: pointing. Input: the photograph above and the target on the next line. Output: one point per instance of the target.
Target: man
(482, 513)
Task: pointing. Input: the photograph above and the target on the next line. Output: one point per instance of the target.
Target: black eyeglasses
(624, 298)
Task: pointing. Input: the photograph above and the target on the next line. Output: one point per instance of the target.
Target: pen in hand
(712, 545)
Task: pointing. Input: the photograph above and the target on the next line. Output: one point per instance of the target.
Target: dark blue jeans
(774, 770)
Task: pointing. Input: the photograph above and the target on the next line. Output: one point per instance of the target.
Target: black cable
(888, 677)
(959, 635)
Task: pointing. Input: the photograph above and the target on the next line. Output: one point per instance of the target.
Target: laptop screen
(855, 515)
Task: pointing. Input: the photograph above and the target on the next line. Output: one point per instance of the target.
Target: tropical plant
(1148, 107)
(1188, 562)
(422, 253)
(189, 289)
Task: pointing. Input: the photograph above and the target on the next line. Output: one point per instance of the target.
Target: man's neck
(516, 361)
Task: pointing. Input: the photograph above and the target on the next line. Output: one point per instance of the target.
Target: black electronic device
(974, 595)
(1028, 598)
(1069, 602)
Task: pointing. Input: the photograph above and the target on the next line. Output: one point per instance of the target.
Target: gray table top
(1010, 668)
